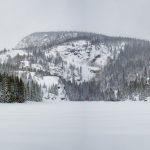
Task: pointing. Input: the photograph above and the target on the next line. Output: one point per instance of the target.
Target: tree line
(14, 90)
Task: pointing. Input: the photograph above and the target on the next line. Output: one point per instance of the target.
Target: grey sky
(112, 17)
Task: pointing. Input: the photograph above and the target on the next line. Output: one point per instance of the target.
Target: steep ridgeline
(82, 66)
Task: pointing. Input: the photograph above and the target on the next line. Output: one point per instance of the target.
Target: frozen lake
(75, 126)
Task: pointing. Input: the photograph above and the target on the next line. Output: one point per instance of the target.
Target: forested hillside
(80, 66)
(124, 77)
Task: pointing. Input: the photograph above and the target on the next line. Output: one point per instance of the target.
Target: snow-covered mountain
(50, 57)
(83, 53)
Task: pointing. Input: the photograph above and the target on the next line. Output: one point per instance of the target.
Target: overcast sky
(19, 18)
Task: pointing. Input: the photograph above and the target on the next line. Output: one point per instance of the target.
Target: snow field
(75, 126)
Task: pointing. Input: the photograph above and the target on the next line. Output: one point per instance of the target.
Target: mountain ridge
(73, 35)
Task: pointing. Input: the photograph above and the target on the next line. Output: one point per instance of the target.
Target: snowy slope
(4, 56)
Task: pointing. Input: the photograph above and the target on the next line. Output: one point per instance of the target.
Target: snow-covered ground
(75, 126)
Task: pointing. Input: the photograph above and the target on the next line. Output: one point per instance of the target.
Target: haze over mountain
(111, 17)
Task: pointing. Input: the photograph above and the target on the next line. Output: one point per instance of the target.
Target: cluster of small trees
(53, 89)
(89, 91)
(13, 89)
(33, 92)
